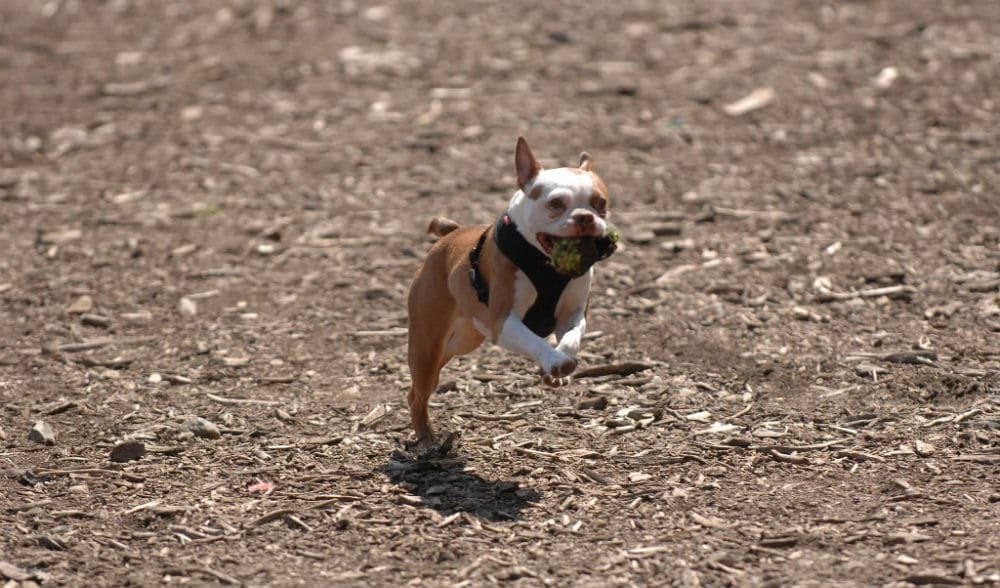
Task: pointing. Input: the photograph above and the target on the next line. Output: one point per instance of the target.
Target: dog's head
(557, 203)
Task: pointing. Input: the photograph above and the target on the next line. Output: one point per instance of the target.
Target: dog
(497, 281)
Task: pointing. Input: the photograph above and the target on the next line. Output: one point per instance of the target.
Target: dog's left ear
(586, 162)
(525, 163)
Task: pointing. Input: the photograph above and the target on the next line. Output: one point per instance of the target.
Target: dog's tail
(441, 226)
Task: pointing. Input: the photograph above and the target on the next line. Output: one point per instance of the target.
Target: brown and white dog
(495, 281)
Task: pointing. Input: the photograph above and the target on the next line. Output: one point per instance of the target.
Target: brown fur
(442, 307)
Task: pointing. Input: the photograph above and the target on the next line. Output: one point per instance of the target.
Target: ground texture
(213, 209)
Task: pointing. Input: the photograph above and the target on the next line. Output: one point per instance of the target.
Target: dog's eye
(600, 206)
(557, 204)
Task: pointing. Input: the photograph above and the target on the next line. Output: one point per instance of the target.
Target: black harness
(548, 283)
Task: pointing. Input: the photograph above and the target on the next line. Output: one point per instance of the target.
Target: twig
(225, 579)
(739, 414)
(45, 473)
(859, 455)
(811, 447)
(898, 291)
(271, 516)
(380, 333)
(788, 458)
(510, 416)
(29, 505)
(223, 400)
(544, 454)
(614, 369)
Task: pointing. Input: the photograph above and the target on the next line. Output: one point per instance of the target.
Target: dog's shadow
(443, 483)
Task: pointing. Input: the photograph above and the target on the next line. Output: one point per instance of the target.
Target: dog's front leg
(570, 333)
(556, 365)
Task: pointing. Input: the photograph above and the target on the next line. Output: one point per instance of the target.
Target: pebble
(923, 449)
(42, 433)
(187, 306)
(128, 451)
(202, 428)
(81, 305)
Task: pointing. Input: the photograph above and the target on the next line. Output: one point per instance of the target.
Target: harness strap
(475, 276)
(549, 284)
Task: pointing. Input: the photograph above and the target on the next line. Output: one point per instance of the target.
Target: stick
(791, 448)
(739, 414)
(223, 400)
(271, 516)
(788, 458)
(890, 291)
(614, 369)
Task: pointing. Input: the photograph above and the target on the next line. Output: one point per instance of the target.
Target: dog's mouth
(548, 241)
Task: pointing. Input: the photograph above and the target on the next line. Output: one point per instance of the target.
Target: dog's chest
(541, 314)
(525, 294)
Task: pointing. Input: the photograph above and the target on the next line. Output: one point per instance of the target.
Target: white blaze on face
(571, 187)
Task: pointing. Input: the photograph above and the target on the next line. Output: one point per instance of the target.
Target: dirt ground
(213, 209)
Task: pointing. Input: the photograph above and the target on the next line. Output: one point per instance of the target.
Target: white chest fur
(524, 294)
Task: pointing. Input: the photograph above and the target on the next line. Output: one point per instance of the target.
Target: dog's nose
(582, 218)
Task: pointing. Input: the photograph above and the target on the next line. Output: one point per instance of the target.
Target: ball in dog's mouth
(573, 256)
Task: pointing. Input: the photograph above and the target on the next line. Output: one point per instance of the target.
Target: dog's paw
(421, 443)
(563, 368)
(438, 450)
(555, 382)
(557, 373)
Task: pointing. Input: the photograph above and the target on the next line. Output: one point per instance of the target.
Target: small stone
(886, 77)
(636, 477)
(79, 489)
(190, 113)
(42, 433)
(137, 317)
(154, 378)
(923, 449)
(187, 306)
(203, 428)
(128, 451)
(81, 305)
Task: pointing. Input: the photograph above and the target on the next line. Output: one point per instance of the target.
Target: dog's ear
(586, 162)
(525, 163)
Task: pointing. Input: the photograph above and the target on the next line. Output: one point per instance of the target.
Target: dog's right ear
(525, 163)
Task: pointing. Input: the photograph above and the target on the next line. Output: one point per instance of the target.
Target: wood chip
(931, 578)
(42, 433)
(923, 449)
(789, 458)
(81, 305)
(755, 100)
(128, 451)
(237, 401)
(12, 572)
(271, 516)
(859, 455)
